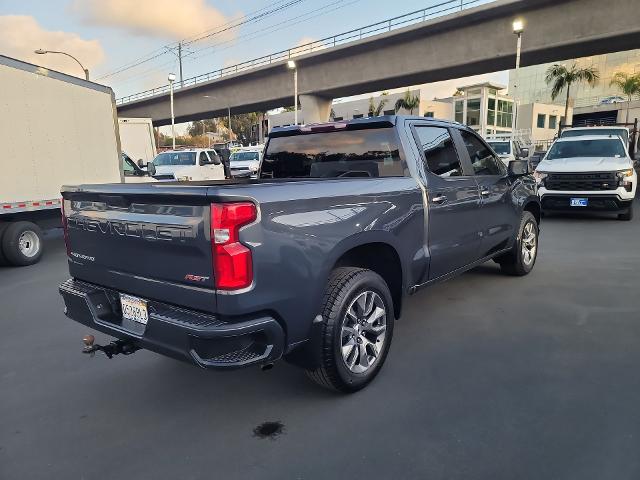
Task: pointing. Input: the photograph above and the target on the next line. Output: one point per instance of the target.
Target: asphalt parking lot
(489, 377)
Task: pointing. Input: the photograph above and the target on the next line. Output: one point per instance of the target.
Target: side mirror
(151, 168)
(518, 168)
(140, 163)
(524, 153)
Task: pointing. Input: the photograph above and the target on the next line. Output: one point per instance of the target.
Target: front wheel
(522, 258)
(357, 328)
(628, 215)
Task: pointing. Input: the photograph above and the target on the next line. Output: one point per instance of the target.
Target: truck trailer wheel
(522, 258)
(22, 243)
(357, 313)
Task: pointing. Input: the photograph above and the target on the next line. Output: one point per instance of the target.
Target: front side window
(439, 151)
(127, 166)
(483, 161)
(348, 153)
(202, 159)
(175, 158)
(587, 148)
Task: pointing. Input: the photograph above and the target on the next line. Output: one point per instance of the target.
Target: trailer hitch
(114, 348)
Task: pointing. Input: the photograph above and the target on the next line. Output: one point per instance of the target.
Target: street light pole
(518, 28)
(40, 51)
(229, 116)
(171, 79)
(292, 66)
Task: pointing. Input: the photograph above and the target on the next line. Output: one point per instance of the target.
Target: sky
(108, 36)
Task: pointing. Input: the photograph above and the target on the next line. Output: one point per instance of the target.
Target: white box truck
(56, 129)
(137, 139)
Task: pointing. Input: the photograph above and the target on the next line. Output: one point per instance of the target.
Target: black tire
(3, 227)
(345, 286)
(514, 263)
(11, 243)
(628, 215)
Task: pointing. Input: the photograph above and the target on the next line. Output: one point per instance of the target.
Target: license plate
(134, 309)
(579, 202)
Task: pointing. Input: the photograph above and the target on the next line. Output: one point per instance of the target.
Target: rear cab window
(364, 153)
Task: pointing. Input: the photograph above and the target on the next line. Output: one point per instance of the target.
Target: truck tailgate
(155, 246)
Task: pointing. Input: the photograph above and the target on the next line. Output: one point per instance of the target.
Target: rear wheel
(628, 215)
(22, 243)
(357, 314)
(522, 258)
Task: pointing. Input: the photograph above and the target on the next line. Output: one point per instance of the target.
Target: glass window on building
(459, 116)
(553, 119)
(542, 120)
(505, 113)
(493, 91)
(491, 112)
(337, 119)
(473, 112)
(389, 112)
(474, 91)
(358, 115)
(429, 114)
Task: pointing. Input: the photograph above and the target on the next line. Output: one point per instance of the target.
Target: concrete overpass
(471, 42)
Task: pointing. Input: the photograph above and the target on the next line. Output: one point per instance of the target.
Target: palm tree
(562, 78)
(408, 102)
(375, 111)
(629, 85)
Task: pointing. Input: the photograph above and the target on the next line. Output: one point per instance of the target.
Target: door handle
(440, 199)
(485, 193)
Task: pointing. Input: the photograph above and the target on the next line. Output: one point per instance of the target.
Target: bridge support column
(315, 109)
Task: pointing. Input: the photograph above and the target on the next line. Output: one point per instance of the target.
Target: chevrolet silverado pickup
(592, 173)
(309, 262)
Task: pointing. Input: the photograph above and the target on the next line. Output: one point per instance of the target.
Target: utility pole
(180, 61)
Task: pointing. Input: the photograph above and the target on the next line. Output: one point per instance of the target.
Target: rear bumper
(195, 337)
(611, 203)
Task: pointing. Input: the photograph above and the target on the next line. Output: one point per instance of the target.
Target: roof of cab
(356, 124)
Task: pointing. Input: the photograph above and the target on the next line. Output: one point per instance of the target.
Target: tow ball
(114, 348)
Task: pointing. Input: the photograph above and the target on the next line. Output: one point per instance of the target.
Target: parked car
(189, 164)
(245, 163)
(134, 174)
(588, 173)
(310, 262)
(508, 149)
(536, 158)
(612, 99)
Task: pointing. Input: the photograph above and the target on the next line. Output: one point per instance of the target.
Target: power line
(192, 56)
(252, 17)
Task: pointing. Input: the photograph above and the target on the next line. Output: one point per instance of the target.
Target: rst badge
(195, 278)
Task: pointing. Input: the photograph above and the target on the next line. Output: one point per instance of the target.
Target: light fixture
(171, 77)
(518, 26)
(291, 65)
(40, 51)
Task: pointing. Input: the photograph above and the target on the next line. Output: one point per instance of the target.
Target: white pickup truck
(189, 165)
(588, 173)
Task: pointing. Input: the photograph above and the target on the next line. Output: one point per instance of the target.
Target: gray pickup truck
(309, 262)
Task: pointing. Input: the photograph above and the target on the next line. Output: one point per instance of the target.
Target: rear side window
(349, 153)
(439, 152)
(483, 161)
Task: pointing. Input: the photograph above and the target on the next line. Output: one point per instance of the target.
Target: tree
(376, 110)
(200, 127)
(243, 126)
(408, 102)
(563, 77)
(629, 85)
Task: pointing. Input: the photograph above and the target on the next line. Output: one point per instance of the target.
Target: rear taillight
(232, 262)
(65, 228)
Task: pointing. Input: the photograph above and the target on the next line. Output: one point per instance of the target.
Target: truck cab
(191, 164)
